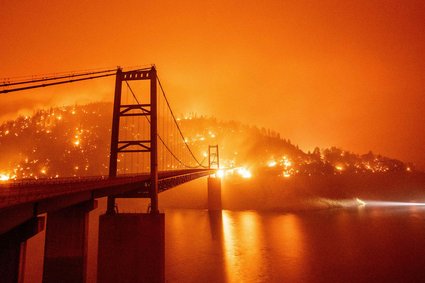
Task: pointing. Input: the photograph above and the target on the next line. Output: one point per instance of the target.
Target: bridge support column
(13, 249)
(214, 194)
(65, 252)
(111, 206)
(131, 248)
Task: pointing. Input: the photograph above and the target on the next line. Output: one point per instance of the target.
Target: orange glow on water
(229, 244)
(242, 233)
(288, 231)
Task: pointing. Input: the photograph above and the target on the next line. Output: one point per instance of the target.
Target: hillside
(74, 141)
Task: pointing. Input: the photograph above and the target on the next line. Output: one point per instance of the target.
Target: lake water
(364, 244)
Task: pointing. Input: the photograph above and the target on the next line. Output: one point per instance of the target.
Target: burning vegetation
(74, 141)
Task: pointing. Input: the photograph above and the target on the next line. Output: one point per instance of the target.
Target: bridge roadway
(21, 200)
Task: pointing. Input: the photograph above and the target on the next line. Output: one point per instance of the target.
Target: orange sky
(332, 72)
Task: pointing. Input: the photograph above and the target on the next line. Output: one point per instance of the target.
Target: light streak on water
(357, 202)
(378, 203)
(375, 203)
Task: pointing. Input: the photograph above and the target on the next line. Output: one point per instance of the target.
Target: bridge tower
(133, 146)
(214, 183)
(213, 158)
(133, 241)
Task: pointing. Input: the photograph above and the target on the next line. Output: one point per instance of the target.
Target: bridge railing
(23, 191)
(16, 183)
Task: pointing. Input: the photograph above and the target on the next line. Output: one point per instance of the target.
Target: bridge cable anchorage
(161, 139)
(177, 125)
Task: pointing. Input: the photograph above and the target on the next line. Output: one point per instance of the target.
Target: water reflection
(242, 233)
(370, 244)
(263, 248)
(216, 225)
(229, 246)
(194, 246)
(287, 231)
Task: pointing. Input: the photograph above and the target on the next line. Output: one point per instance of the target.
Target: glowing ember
(286, 162)
(271, 163)
(4, 177)
(244, 173)
(339, 168)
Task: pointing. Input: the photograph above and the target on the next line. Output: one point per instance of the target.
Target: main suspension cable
(55, 83)
(43, 79)
(160, 138)
(178, 127)
(59, 79)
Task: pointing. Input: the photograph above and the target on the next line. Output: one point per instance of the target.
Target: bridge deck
(23, 191)
(23, 199)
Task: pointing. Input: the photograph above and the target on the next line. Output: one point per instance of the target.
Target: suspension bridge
(148, 155)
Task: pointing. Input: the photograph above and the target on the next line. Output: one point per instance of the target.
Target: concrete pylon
(13, 249)
(65, 252)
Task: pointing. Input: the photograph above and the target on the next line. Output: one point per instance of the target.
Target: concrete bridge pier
(131, 248)
(65, 252)
(214, 194)
(13, 249)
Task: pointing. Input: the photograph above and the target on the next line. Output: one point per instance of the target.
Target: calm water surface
(340, 245)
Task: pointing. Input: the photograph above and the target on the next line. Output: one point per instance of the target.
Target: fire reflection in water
(249, 245)
(241, 241)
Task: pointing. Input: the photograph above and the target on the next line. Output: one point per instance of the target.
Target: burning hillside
(74, 141)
